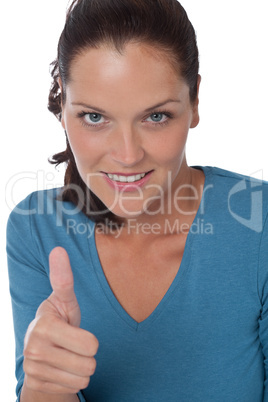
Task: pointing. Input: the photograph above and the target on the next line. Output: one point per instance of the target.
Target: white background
(232, 38)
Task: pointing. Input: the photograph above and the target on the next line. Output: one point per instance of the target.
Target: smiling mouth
(127, 178)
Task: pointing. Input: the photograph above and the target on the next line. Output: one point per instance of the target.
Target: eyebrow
(88, 106)
(150, 109)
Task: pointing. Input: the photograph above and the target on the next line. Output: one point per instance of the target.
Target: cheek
(171, 147)
(87, 156)
(86, 150)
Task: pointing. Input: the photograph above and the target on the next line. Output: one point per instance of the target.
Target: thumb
(62, 282)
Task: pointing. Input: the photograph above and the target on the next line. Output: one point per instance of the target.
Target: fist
(58, 355)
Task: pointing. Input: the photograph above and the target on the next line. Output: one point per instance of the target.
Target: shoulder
(234, 182)
(45, 203)
(35, 202)
(43, 221)
(44, 214)
(236, 197)
(35, 206)
(226, 176)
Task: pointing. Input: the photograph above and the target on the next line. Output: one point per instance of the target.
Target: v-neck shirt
(207, 339)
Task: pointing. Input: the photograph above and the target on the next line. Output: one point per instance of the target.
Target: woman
(143, 279)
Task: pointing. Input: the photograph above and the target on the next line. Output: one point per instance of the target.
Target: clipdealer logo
(248, 212)
(253, 188)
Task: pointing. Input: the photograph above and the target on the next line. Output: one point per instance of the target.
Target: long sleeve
(263, 293)
(28, 277)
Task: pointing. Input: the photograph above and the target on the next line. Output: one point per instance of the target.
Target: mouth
(127, 178)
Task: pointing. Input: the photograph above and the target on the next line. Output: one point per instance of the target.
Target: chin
(127, 215)
(127, 211)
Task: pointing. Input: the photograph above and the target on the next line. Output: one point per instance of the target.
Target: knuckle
(31, 352)
(94, 345)
(43, 328)
(91, 344)
(93, 365)
(34, 350)
(89, 366)
(84, 382)
(30, 369)
(39, 329)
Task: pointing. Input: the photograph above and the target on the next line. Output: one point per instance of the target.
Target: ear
(195, 119)
(62, 107)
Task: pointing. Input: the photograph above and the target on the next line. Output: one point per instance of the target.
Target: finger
(64, 360)
(49, 388)
(75, 364)
(62, 282)
(51, 375)
(76, 340)
(59, 334)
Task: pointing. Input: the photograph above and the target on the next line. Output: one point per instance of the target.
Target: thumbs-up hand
(58, 355)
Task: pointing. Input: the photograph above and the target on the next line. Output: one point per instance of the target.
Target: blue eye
(93, 118)
(157, 117)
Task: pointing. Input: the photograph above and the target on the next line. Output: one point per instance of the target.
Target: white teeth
(139, 176)
(126, 179)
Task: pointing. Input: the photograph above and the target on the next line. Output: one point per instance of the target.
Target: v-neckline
(184, 265)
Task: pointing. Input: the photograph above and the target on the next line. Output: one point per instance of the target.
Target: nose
(127, 147)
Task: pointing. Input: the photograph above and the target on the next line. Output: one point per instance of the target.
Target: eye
(158, 117)
(93, 118)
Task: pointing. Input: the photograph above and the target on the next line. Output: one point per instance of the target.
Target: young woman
(142, 279)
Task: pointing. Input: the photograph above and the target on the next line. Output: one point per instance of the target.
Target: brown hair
(90, 23)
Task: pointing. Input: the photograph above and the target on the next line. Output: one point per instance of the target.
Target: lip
(127, 187)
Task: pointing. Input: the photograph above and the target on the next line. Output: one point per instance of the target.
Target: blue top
(206, 341)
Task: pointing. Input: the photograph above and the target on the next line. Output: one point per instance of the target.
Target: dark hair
(91, 23)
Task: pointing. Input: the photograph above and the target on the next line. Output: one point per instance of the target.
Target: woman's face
(127, 118)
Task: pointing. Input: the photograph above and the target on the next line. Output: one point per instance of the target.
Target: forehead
(138, 71)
